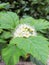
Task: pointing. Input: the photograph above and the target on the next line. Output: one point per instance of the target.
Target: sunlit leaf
(11, 54)
(36, 46)
(8, 20)
(39, 24)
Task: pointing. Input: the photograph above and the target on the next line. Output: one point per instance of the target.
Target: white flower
(24, 30)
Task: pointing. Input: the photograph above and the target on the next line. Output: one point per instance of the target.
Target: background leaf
(3, 5)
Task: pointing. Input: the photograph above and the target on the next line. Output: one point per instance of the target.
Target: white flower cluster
(24, 30)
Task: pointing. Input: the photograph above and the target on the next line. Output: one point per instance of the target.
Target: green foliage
(15, 47)
(9, 20)
(39, 24)
(2, 41)
(36, 46)
(5, 35)
(3, 5)
(34, 8)
(11, 54)
(1, 30)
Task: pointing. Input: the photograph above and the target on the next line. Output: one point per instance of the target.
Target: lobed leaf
(39, 24)
(36, 46)
(11, 54)
(8, 20)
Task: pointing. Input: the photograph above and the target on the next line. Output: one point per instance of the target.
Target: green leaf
(6, 35)
(47, 1)
(11, 54)
(2, 41)
(1, 30)
(36, 1)
(3, 5)
(36, 46)
(39, 24)
(8, 20)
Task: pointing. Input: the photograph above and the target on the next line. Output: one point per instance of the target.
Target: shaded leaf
(3, 5)
(2, 41)
(6, 35)
(1, 30)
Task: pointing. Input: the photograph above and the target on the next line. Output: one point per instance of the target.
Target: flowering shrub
(20, 37)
